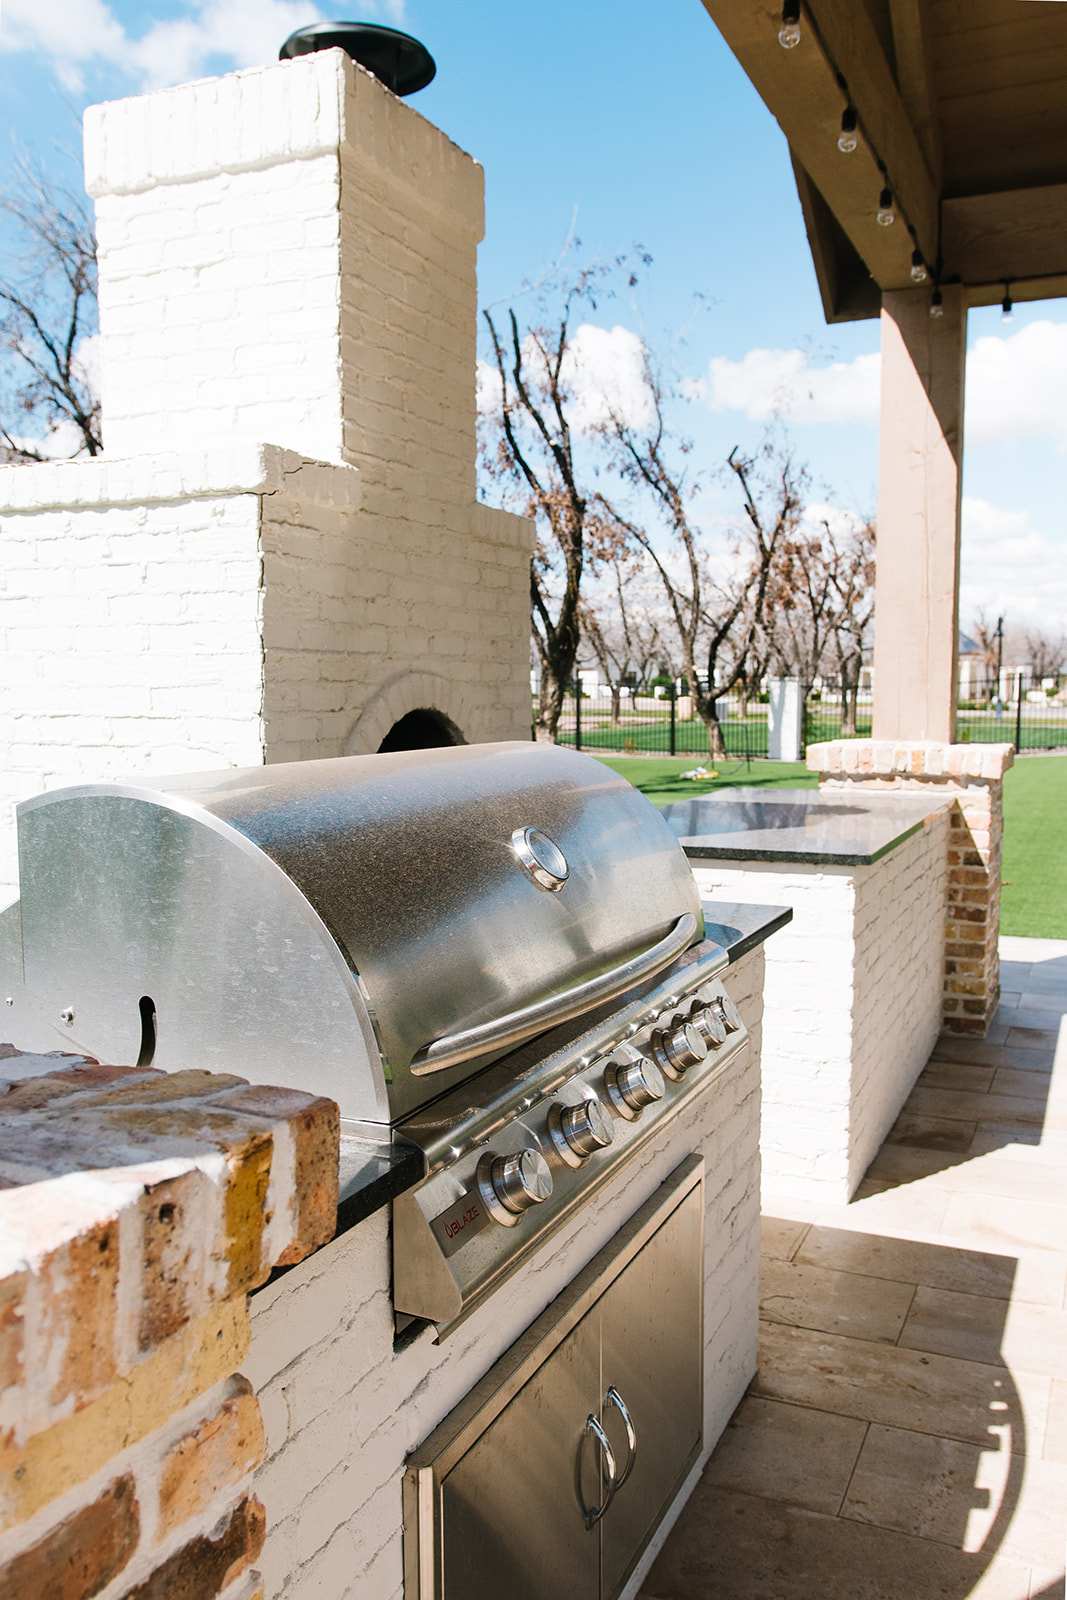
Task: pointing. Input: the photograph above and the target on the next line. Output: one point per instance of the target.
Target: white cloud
(1008, 566)
(71, 32)
(64, 439)
(86, 363)
(78, 35)
(487, 388)
(769, 383)
(840, 521)
(1017, 386)
(603, 373)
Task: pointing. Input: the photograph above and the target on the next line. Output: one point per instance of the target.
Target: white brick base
(229, 606)
(853, 1004)
(343, 1410)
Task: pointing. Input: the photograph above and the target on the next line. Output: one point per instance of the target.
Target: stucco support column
(919, 475)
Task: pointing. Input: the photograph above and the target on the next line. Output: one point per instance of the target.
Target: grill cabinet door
(652, 1337)
(495, 1497)
(511, 1519)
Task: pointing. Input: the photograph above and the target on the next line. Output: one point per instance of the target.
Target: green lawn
(658, 777)
(1034, 895)
(1034, 901)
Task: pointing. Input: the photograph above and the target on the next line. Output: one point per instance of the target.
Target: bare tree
(853, 581)
(1046, 650)
(529, 446)
(45, 316)
(988, 636)
(801, 603)
(713, 622)
(820, 605)
(622, 630)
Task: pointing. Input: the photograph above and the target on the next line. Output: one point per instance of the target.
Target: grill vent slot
(147, 1007)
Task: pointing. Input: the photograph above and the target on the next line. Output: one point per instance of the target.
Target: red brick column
(137, 1209)
(971, 777)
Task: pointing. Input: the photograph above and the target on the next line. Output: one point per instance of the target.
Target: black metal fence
(1029, 715)
(1019, 709)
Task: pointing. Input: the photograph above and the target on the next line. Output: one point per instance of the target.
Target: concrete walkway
(906, 1435)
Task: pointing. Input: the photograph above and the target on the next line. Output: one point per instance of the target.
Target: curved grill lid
(394, 883)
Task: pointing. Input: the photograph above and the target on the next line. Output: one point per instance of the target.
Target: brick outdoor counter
(137, 1210)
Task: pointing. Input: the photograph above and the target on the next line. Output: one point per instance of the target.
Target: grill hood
(327, 924)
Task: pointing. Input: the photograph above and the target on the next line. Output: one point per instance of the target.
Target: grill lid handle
(518, 1025)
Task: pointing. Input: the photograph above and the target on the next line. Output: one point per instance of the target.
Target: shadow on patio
(905, 1437)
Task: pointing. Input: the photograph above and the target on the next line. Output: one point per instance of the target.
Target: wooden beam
(913, 48)
(847, 290)
(1020, 234)
(920, 441)
(991, 294)
(800, 88)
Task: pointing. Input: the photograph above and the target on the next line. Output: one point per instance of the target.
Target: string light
(848, 141)
(789, 32)
(1007, 312)
(937, 308)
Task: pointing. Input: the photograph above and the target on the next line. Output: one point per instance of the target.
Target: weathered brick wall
(899, 916)
(852, 1004)
(130, 621)
(343, 1407)
(367, 618)
(207, 609)
(286, 254)
(972, 777)
(137, 1209)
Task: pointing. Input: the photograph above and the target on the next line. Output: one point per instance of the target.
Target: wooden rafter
(965, 105)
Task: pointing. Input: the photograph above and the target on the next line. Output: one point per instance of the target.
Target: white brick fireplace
(280, 554)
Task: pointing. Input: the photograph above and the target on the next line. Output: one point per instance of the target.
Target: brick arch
(408, 691)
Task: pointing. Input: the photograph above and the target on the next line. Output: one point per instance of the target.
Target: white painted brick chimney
(280, 553)
(289, 254)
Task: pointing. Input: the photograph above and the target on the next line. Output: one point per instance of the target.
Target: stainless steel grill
(493, 952)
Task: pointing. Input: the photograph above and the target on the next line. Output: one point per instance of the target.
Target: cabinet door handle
(593, 1426)
(614, 1398)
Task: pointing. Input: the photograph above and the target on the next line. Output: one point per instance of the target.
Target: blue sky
(638, 122)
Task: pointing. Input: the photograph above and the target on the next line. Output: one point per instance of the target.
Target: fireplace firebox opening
(425, 729)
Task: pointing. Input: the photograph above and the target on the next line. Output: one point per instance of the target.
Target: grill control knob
(520, 1181)
(633, 1085)
(708, 1021)
(728, 1012)
(678, 1050)
(576, 1131)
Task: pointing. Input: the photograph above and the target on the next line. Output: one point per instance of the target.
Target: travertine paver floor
(906, 1435)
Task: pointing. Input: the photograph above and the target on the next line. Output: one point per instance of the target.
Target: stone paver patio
(905, 1437)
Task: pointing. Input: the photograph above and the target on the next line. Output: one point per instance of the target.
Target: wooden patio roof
(962, 112)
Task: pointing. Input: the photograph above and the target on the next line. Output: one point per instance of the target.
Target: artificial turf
(1034, 893)
(660, 778)
(1034, 883)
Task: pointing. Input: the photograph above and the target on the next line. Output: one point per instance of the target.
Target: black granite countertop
(372, 1174)
(739, 928)
(798, 825)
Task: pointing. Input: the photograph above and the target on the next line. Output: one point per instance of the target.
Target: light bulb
(919, 273)
(886, 215)
(1007, 312)
(937, 309)
(847, 139)
(789, 32)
